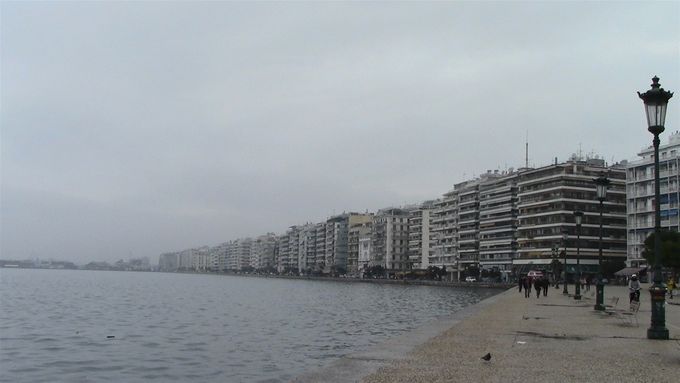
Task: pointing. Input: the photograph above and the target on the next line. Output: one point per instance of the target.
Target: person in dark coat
(538, 285)
(521, 283)
(546, 285)
(527, 286)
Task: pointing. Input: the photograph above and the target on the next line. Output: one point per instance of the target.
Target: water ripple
(180, 327)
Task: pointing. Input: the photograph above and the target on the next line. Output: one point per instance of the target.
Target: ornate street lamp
(601, 182)
(564, 242)
(656, 101)
(578, 217)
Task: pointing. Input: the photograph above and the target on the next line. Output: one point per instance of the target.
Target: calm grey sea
(55, 324)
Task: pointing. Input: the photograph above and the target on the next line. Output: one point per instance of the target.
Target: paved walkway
(550, 339)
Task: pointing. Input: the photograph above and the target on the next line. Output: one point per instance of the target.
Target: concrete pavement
(549, 339)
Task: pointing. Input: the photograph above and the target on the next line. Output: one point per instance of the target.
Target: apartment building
(389, 239)
(319, 248)
(547, 199)
(201, 259)
(498, 221)
(467, 223)
(289, 247)
(640, 207)
(337, 237)
(420, 242)
(443, 234)
(262, 251)
(359, 247)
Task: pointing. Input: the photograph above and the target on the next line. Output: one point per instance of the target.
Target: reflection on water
(54, 324)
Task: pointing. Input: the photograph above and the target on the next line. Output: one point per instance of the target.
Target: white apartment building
(498, 221)
(390, 239)
(201, 259)
(420, 244)
(640, 206)
(262, 253)
(359, 247)
(444, 231)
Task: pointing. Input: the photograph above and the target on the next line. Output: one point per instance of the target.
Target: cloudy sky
(133, 128)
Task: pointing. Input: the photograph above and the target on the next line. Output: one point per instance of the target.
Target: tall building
(319, 247)
(547, 199)
(337, 237)
(359, 247)
(390, 239)
(420, 243)
(201, 259)
(498, 221)
(288, 245)
(467, 223)
(640, 195)
(444, 231)
(262, 254)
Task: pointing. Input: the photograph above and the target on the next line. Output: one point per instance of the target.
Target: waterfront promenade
(550, 339)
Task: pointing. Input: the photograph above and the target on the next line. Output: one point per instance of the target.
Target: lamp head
(578, 217)
(656, 101)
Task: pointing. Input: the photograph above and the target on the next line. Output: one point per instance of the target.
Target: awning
(628, 271)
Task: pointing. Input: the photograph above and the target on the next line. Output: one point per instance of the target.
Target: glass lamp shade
(656, 101)
(656, 114)
(601, 192)
(601, 184)
(578, 217)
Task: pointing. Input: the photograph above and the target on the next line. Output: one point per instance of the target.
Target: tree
(377, 271)
(433, 272)
(670, 250)
(471, 271)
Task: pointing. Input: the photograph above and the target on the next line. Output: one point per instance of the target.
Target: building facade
(547, 199)
(640, 197)
(498, 221)
(389, 240)
(420, 244)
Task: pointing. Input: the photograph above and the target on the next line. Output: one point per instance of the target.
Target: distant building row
(500, 221)
(503, 221)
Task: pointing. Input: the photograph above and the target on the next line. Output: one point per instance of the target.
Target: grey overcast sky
(134, 128)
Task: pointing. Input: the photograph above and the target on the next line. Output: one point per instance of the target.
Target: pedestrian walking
(546, 285)
(671, 286)
(526, 282)
(538, 285)
(521, 283)
(588, 279)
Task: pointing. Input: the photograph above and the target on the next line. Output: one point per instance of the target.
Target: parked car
(470, 279)
(535, 274)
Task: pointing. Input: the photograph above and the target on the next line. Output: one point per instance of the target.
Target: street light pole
(578, 217)
(656, 101)
(601, 182)
(564, 241)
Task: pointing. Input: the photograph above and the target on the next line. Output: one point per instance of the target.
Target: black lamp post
(601, 182)
(555, 265)
(656, 101)
(564, 241)
(578, 217)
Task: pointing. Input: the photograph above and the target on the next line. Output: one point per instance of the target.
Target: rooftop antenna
(526, 151)
(580, 152)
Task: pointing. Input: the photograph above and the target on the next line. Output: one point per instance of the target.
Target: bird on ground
(487, 357)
